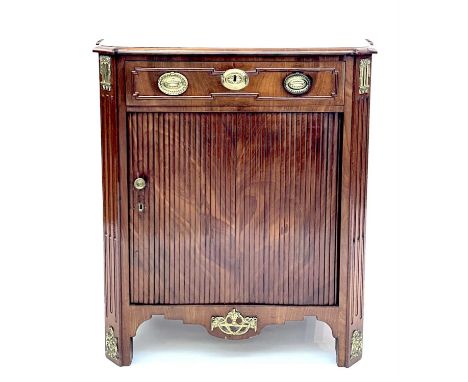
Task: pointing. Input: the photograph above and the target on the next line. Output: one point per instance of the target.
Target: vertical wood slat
(239, 208)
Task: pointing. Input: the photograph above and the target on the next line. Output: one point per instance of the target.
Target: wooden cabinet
(234, 189)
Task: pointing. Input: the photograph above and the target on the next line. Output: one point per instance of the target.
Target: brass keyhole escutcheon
(235, 79)
(139, 183)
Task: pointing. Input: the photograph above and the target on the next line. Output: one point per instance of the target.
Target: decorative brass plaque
(112, 349)
(297, 83)
(234, 323)
(105, 71)
(364, 75)
(356, 344)
(173, 83)
(234, 79)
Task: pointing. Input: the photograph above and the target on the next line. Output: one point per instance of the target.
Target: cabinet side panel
(359, 139)
(358, 192)
(358, 207)
(110, 185)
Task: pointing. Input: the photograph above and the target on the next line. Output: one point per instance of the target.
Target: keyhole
(141, 207)
(235, 78)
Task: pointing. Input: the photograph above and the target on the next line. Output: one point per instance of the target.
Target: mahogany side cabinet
(234, 189)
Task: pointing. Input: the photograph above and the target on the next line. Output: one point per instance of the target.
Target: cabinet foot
(119, 349)
(349, 349)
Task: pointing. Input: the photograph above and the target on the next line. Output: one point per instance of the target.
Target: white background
(51, 280)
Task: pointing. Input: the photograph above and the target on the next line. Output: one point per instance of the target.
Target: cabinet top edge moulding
(333, 51)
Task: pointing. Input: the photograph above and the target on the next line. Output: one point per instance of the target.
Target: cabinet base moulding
(348, 350)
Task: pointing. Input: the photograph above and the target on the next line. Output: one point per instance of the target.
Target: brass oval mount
(173, 83)
(234, 79)
(297, 83)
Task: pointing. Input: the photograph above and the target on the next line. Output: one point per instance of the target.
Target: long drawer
(216, 84)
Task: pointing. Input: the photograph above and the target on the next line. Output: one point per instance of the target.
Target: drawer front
(204, 86)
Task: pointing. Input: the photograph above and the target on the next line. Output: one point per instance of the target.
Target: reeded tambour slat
(232, 196)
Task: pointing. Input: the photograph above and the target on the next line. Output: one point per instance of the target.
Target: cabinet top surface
(124, 50)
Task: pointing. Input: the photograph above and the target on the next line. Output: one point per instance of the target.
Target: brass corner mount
(105, 71)
(356, 344)
(112, 348)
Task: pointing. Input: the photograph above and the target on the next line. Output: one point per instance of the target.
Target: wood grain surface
(265, 87)
(239, 208)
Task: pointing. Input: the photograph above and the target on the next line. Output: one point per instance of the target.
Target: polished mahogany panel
(359, 144)
(238, 208)
(110, 205)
